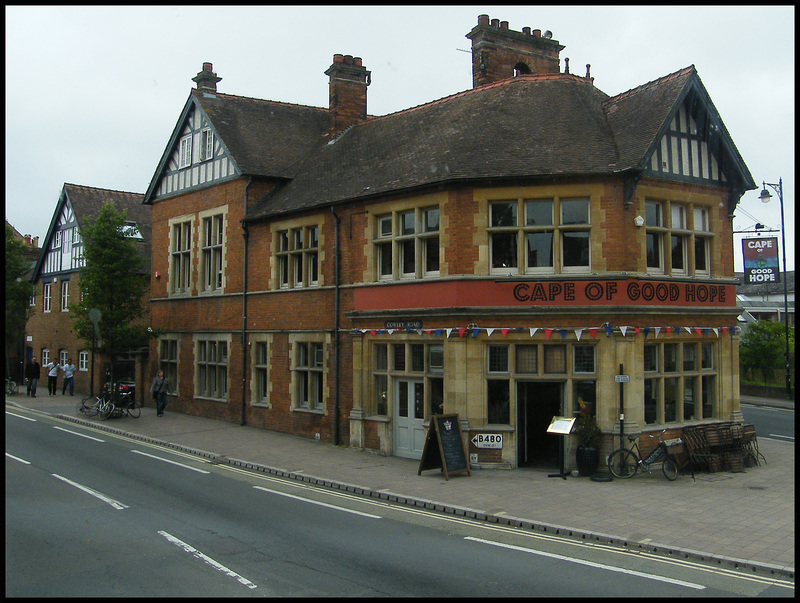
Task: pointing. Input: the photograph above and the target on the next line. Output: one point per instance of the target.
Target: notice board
(444, 448)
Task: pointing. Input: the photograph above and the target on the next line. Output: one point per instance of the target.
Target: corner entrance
(537, 403)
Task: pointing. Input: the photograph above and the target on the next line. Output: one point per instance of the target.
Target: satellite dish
(548, 34)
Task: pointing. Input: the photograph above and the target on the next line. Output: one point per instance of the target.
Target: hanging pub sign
(761, 261)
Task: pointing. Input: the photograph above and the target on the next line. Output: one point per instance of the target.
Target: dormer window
(186, 152)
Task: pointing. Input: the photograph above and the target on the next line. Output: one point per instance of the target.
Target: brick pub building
(501, 254)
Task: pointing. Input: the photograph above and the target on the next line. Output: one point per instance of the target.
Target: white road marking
(20, 416)
(16, 458)
(106, 499)
(785, 437)
(321, 504)
(83, 435)
(602, 566)
(216, 565)
(158, 458)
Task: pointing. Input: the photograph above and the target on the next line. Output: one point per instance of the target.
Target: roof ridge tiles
(263, 100)
(655, 82)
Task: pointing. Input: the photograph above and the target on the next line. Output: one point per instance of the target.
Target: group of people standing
(159, 390)
(33, 372)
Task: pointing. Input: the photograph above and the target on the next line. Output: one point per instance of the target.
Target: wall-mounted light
(639, 221)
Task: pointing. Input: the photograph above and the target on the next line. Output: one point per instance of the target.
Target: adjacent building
(528, 248)
(56, 277)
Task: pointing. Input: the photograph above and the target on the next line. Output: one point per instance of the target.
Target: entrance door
(537, 403)
(409, 416)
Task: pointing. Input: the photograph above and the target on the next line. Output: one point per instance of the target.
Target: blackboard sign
(444, 447)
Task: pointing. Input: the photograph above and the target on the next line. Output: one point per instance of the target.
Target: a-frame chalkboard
(444, 447)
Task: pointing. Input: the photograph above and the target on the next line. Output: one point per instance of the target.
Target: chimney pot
(338, 58)
(495, 22)
(483, 19)
(526, 31)
(503, 24)
(206, 79)
(208, 67)
(537, 33)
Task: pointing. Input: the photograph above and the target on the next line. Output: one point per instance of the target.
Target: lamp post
(765, 198)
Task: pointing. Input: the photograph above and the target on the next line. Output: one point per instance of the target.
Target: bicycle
(624, 462)
(117, 403)
(89, 406)
(12, 387)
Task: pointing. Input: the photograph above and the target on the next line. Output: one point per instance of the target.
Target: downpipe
(245, 236)
(337, 222)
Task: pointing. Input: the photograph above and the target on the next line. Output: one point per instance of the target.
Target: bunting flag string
(624, 330)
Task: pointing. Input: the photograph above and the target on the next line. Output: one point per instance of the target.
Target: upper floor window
(298, 257)
(64, 296)
(532, 236)
(211, 252)
(677, 238)
(180, 257)
(185, 157)
(46, 287)
(407, 244)
(206, 144)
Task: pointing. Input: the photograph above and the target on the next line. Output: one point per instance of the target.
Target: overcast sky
(93, 93)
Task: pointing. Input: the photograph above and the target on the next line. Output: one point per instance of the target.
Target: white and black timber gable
(195, 157)
(62, 249)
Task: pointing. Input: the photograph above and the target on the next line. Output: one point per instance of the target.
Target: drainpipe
(245, 235)
(336, 329)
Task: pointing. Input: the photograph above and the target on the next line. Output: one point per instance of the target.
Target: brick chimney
(499, 53)
(347, 92)
(207, 79)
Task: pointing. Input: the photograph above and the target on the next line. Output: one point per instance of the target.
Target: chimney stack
(499, 53)
(347, 92)
(207, 79)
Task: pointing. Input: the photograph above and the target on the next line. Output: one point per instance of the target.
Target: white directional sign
(488, 440)
(622, 378)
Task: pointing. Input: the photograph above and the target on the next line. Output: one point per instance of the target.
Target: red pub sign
(599, 292)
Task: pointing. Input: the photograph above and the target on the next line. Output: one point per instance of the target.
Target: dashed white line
(106, 499)
(20, 416)
(216, 565)
(83, 435)
(602, 566)
(158, 458)
(321, 504)
(16, 458)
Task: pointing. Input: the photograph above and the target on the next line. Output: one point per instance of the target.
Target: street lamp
(765, 198)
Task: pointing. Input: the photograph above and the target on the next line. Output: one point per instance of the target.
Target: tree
(763, 345)
(113, 281)
(18, 294)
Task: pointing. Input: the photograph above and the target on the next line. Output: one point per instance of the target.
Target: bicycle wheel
(87, 406)
(106, 408)
(623, 463)
(670, 469)
(11, 388)
(134, 410)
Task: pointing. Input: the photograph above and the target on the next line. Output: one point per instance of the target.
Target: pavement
(733, 520)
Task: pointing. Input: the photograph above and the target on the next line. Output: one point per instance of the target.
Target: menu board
(444, 448)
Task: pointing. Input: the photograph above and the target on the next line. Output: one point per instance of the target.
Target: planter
(587, 460)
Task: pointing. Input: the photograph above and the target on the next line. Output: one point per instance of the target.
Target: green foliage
(18, 289)
(588, 431)
(763, 347)
(112, 281)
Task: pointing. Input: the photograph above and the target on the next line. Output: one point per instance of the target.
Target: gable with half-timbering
(198, 157)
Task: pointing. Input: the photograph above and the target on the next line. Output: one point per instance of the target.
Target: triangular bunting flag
(449, 331)
(624, 330)
(461, 331)
(593, 332)
(608, 330)
(636, 331)
(563, 334)
(504, 332)
(646, 332)
(658, 330)
(578, 333)
(489, 332)
(547, 333)
(475, 333)
(533, 331)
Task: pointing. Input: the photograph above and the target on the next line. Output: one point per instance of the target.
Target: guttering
(245, 235)
(337, 222)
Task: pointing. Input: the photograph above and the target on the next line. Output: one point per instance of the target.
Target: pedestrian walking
(32, 374)
(69, 372)
(159, 390)
(52, 377)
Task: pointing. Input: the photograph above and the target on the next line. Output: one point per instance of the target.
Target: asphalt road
(89, 513)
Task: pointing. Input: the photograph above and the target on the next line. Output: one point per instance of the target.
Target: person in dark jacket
(159, 390)
(32, 374)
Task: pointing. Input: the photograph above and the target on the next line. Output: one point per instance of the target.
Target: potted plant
(587, 456)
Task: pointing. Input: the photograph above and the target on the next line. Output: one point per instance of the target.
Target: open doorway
(537, 403)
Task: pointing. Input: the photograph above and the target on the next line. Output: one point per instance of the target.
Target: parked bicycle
(624, 463)
(12, 387)
(112, 402)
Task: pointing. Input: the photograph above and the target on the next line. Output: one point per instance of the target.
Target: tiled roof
(265, 138)
(530, 126)
(524, 127)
